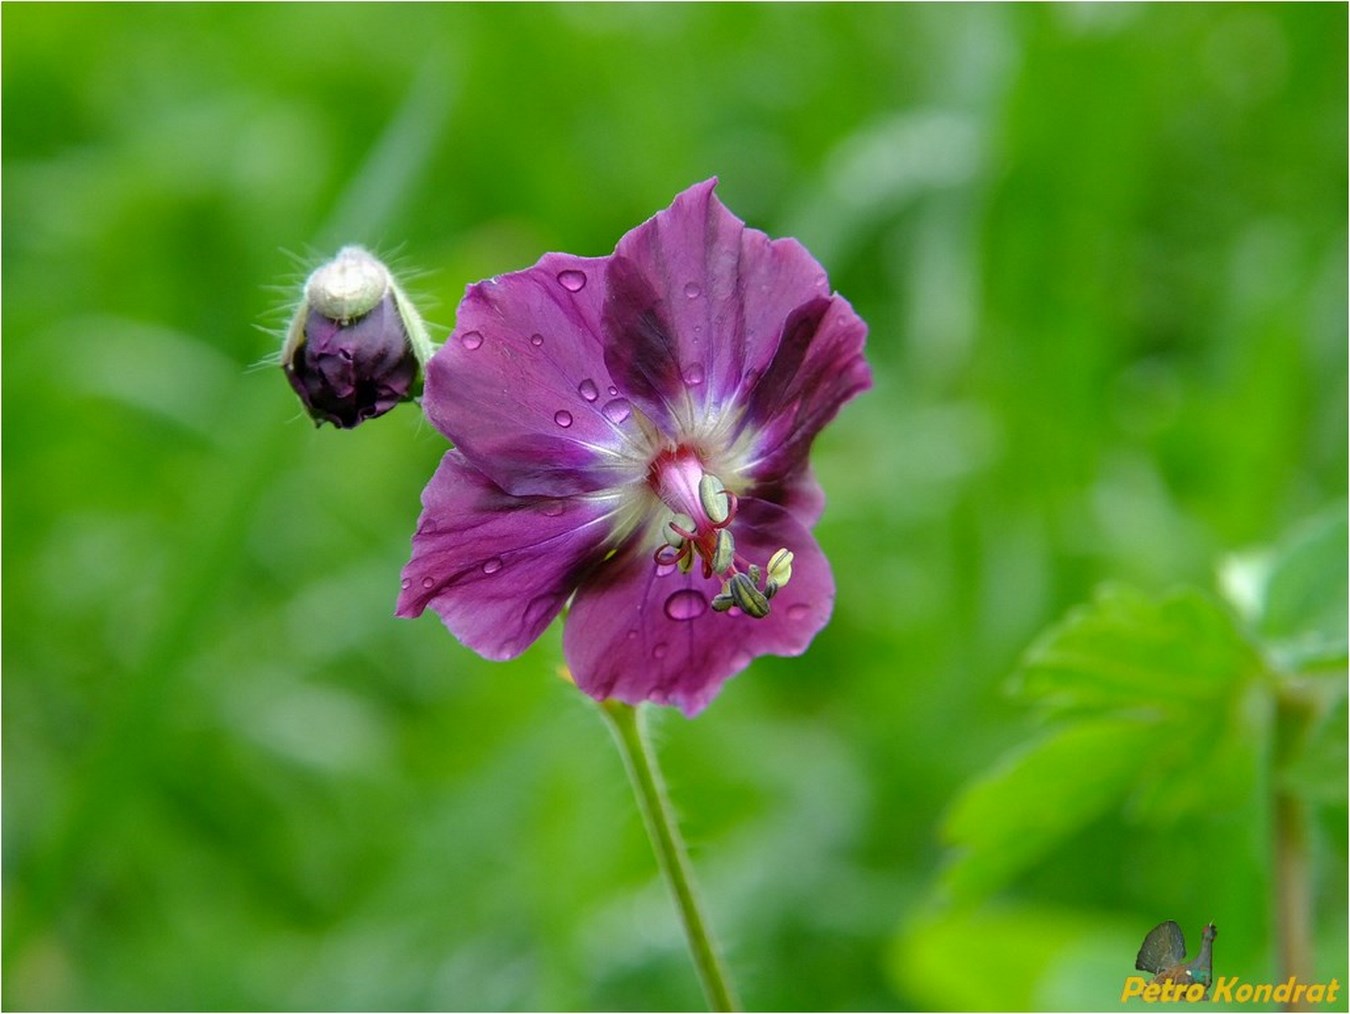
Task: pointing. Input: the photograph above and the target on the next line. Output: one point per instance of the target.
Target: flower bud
(356, 346)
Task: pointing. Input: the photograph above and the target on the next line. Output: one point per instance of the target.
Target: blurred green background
(1102, 253)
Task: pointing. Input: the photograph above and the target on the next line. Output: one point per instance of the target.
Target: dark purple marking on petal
(639, 635)
(512, 397)
(496, 567)
(698, 303)
(641, 352)
(818, 367)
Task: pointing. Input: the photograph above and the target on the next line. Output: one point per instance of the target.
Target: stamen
(724, 555)
(779, 572)
(698, 527)
(680, 528)
(749, 599)
(712, 496)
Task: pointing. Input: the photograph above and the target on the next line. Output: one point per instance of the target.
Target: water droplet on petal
(799, 612)
(493, 565)
(692, 290)
(632, 635)
(660, 651)
(686, 604)
(588, 390)
(665, 569)
(563, 418)
(407, 583)
(741, 658)
(616, 411)
(613, 390)
(552, 509)
(471, 339)
(427, 582)
(536, 340)
(693, 374)
(572, 281)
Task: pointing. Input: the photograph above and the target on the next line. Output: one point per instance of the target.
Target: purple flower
(631, 437)
(355, 346)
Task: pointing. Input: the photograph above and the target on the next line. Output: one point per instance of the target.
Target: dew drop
(572, 281)
(616, 411)
(563, 418)
(693, 374)
(692, 290)
(632, 634)
(471, 339)
(660, 651)
(552, 509)
(493, 565)
(536, 340)
(407, 583)
(665, 569)
(686, 604)
(799, 612)
(613, 390)
(588, 390)
(428, 582)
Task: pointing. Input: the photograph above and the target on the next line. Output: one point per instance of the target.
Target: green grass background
(1102, 254)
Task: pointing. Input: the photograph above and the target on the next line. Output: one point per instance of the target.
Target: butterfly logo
(1164, 954)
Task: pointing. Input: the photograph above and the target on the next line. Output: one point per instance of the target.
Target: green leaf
(1127, 651)
(1038, 796)
(1302, 618)
(1154, 698)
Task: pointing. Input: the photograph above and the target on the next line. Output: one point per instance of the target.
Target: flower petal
(817, 367)
(695, 307)
(498, 568)
(637, 635)
(521, 385)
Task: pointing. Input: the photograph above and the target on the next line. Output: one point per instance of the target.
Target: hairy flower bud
(356, 346)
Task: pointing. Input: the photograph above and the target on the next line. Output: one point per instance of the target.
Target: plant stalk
(629, 728)
(1293, 873)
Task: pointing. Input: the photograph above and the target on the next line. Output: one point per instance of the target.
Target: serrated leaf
(1034, 799)
(1126, 651)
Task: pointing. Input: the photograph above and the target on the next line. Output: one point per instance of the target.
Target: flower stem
(629, 728)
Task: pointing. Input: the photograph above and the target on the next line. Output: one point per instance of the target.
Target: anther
(713, 498)
(749, 599)
(779, 572)
(724, 553)
(679, 528)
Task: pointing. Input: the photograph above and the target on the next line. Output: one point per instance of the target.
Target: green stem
(629, 730)
(1294, 717)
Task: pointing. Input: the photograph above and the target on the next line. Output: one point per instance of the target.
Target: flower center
(702, 510)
